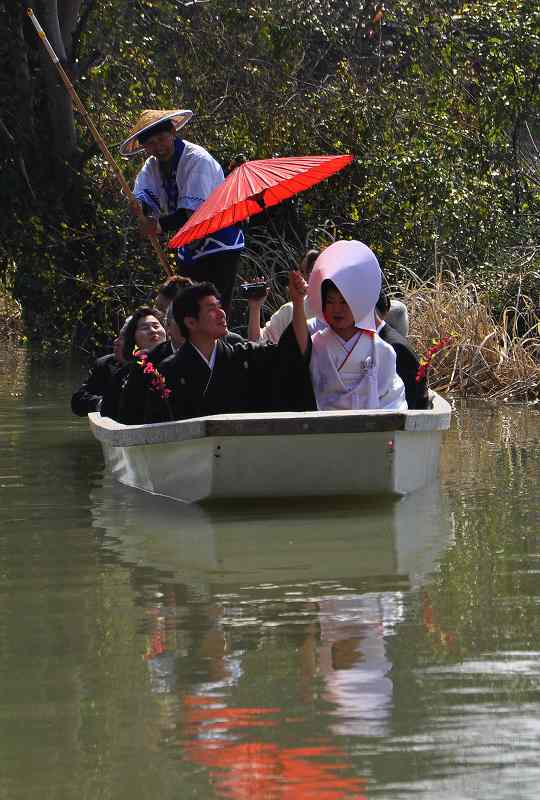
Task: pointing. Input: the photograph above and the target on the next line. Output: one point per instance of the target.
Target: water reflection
(276, 651)
(294, 604)
(276, 542)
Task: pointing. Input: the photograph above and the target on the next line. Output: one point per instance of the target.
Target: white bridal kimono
(354, 375)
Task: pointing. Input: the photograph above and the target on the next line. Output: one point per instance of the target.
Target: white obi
(355, 374)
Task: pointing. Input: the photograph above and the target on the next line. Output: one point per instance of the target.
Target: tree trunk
(63, 139)
(19, 114)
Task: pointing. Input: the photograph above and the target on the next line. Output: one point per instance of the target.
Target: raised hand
(297, 286)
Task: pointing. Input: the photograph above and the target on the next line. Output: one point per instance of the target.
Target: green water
(277, 651)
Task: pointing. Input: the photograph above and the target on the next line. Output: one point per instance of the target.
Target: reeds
(495, 357)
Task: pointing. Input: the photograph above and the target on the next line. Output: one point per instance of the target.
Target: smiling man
(208, 375)
(175, 179)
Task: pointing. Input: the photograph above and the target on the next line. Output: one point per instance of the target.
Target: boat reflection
(275, 542)
(267, 628)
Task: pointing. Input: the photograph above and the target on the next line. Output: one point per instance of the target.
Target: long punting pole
(134, 205)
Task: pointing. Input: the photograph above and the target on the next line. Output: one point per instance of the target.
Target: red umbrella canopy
(254, 186)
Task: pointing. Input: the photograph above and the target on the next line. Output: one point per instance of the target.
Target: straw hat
(354, 269)
(149, 118)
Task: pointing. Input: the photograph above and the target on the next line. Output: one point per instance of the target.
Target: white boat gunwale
(116, 434)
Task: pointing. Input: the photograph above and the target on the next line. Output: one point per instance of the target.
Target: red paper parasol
(254, 186)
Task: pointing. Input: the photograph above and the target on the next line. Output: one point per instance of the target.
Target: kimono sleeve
(277, 324)
(390, 386)
(197, 176)
(293, 389)
(283, 373)
(146, 188)
(89, 395)
(416, 392)
(111, 396)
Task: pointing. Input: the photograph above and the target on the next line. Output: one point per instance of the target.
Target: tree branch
(18, 158)
(77, 33)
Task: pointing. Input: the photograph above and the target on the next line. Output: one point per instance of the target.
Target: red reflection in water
(440, 636)
(260, 770)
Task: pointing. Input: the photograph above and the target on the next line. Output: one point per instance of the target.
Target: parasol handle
(133, 203)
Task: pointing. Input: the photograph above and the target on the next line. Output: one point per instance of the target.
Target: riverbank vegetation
(438, 101)
(493, 354)
(11, 325)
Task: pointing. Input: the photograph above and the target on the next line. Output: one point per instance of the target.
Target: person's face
(118, 349)
(160, 145)
(212, 320)
(337, 312)
(149, 333)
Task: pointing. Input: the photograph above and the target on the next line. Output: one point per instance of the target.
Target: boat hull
(352, 453)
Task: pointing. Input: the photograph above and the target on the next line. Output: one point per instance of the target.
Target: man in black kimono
(210, 376)
(100, 381)
(407, 361)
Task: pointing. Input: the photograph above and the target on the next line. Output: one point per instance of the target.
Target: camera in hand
(253, 290)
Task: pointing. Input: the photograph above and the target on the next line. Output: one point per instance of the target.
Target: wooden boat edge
(116, 434)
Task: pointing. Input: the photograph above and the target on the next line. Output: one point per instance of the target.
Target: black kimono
(407, 366)
(246, 377)
(101, 377)
(130, 392)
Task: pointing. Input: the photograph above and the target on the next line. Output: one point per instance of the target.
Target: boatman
(175, 179)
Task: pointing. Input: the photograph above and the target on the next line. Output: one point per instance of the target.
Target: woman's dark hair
(131, 327)
(187, 303)
(166, 125)
(236, 161)
(173, 285)
(309, 259)
(383, 304)
(327, 286)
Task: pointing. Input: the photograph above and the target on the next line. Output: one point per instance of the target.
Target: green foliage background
(439, 101)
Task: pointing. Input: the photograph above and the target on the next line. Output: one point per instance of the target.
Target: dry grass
(492, 358)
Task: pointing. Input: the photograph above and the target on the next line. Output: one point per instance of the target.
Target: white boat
(332, 453)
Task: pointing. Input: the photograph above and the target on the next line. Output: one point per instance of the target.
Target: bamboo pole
(133, 204)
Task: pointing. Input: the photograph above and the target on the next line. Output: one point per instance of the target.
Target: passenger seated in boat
(407, 361)
(146, 337)
(177, 340)
(90, 395)
(210, 376)
(282, 318)
(398, 317)
(351, 366)
(145, 333)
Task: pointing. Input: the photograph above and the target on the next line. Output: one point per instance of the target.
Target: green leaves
(435, 109)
